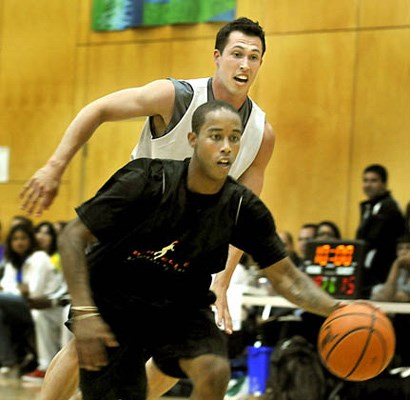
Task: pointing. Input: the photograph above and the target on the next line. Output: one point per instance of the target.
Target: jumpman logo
(161, 253)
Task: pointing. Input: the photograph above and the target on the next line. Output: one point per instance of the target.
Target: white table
(279, 301)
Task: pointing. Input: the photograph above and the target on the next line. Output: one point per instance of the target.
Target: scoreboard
(336, 266)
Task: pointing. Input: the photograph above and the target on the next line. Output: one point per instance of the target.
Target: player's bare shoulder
(157, 98)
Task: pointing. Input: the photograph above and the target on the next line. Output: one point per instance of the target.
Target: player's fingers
(111, 341)
(218, 315)
(32, 202)
(92, 356)
(29, 197)
(228, 322)
(26, 187)
(43, 204)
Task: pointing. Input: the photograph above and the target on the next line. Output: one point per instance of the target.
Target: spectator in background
(46, 236)
(51, 333)
(287, 240)
(327, 230)
(306, 232)
(28, 273)
(381, 224)
(397, 285)
(397, 288)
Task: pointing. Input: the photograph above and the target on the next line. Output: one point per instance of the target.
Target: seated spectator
(307, 232)
(51, 333)
(28, 273)
(46, 236)
(397, 288)
(287, 240)
(327, 230)
(397, 285)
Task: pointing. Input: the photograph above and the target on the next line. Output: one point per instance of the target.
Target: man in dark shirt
(159, 229)
(381, 224)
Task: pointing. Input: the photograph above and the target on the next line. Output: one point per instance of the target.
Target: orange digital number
(322, 255)
(343, 255)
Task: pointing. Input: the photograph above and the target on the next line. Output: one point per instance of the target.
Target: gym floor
(15, 389)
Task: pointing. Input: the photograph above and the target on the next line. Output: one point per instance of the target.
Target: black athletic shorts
(195, 336)
(167, 336)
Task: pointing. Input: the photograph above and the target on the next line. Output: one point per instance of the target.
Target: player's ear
(217, 54)
(192, 138)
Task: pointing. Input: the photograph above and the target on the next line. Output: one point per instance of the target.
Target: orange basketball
(356, 342)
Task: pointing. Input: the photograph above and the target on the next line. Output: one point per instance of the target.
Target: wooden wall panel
(200, 62)
(37, 55)
(36, 80)
(306, 86)
(334, 85)
(107, 151)
(376, 13)
(382, 112)
(308, 15)
(115, 67)
(255, 10)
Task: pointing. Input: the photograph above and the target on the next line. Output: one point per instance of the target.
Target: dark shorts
(192, 338)
(166, 336)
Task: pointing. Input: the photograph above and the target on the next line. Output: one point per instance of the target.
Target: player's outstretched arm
(153, 99)
(299, 288)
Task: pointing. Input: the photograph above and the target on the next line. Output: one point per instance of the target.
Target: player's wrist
(336, 305)
(56, 166)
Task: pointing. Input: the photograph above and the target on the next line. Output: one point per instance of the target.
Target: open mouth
(241, 78)
(224, 163)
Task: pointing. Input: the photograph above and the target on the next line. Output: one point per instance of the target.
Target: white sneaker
(237, 389)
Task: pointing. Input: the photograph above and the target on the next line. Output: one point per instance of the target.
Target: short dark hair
(244, 25)
(379, 170)
(332, 225)
(198, 117)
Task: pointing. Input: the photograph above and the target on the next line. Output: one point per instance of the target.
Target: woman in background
(51, 312)
(46, 236)
(28, 273)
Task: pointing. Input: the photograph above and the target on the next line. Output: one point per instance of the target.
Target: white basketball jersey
(174, 144)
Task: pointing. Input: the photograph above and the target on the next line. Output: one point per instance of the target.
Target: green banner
(108, 15)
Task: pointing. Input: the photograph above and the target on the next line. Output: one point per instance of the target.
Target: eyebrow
(257, 50)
